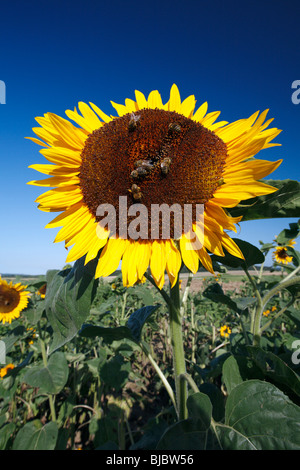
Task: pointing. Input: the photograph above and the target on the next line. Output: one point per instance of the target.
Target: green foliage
(281, 204)
(94, 367)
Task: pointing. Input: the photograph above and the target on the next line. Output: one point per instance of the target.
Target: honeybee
(165, 165)
(134, 119)
(174, 127)
(146, 164)
(136, 192)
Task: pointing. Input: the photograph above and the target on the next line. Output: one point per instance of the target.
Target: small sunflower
(225, 331)
(154, 153)
(4, 370)
(42, 291)
(13, 299)
(281, 255)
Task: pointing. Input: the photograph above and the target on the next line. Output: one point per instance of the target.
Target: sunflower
(42, 291)
(281, 255)
(154, 154)
(225, 331)
(13, 299)
(4, 370)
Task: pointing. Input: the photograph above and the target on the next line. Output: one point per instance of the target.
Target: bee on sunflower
(154, 153)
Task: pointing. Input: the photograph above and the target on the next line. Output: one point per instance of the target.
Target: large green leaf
(231, 373)
(138, 318)
(215, 293)
(50, 379)
(252, 256)
(35, 436)
(114, 373)
(193, 433)
(264, 415)
(108, 334)
(283, 203)
(275, 369)
(131, 331)
(70, 293)
(286, 235)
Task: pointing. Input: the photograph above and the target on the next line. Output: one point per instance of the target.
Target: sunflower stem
(256, 320)
(45, 362)
(257, 330)
(178, 351)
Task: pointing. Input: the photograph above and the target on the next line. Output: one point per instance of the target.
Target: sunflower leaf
(283, 203)
(68, 300)
(36, 436)
(252, 256)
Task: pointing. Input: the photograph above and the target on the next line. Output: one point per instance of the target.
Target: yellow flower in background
(225, 331)
(152, 153)
(42, 291)
(273, 309)
(4, 370)
(13, 299)
(281, 255)
(266, 313)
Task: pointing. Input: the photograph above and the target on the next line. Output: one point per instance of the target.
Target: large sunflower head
(13, 299)
(152, 155)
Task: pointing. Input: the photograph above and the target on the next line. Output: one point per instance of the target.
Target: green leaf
(217, 399)
(138, 318)
(5, 433)
(108, 334)
(275, 369)
(12, 337)
(185, 435)
(200, 408)
(231, 373)
(68, 300)
(215, 293)
(50, 379)
(193, 433)
(114, 373)
(131, 331)
(286, 235)
(251, 254)
(35, 436)
(231, 439)
(261, 413)
(283, 203)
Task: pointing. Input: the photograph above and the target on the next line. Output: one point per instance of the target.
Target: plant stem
(45, 362)
(178, 350)
(260, 308)
(258, 311)
(161, 375)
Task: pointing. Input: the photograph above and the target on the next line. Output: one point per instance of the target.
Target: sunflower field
(147, 340)
(89, 363)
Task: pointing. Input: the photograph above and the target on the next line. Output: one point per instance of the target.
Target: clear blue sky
(240, 56)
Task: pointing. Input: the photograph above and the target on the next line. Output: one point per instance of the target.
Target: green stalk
(45, 362)
(178, 351)
(256, 320)
(257, 330)
(145, 349)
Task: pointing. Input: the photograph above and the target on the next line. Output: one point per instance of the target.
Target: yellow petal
(110, 257)
(158, 262)
(175, 101)
(189, 256)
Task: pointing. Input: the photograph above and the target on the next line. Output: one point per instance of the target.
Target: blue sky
(238, 56)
